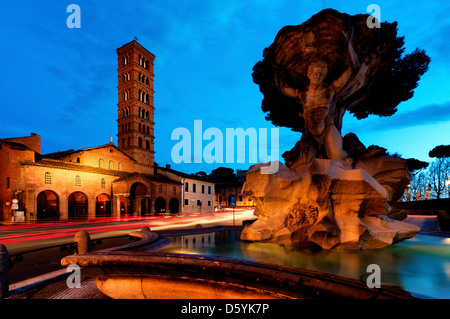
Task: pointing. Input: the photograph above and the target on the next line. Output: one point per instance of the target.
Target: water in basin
(420, 265)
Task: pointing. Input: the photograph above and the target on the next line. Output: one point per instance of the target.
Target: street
(40, 243)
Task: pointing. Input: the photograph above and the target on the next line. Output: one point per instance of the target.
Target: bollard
(4, 272)
(82, 239)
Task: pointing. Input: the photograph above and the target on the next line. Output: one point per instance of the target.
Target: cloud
(427, 114)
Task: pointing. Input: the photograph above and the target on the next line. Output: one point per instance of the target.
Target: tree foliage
(391, 78)
(440, 151)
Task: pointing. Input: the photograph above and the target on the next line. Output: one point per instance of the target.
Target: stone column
(63, 206)
(115, 206)
(92, 205)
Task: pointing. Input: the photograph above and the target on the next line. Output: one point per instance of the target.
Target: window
(160, 188)
(77, 180)
(7, 158)
(186, 202)
(126, 95)
(199, 202)
(140, 142)
(194, 187)
(48, 178)
(203, 189)
(111, 165)
(240, 198)
(174, 190)
(209, 190)
(8, 181)
(78, 160)
(209, 203)
(186, 187)
(101, 164)
(120, 166)
(103, 183)
(147, 145)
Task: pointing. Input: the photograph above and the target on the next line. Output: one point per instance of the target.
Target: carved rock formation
(327, 204)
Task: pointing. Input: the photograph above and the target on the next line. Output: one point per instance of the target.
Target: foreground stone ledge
(135, 275)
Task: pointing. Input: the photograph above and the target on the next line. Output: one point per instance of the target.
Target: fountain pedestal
(325, 203)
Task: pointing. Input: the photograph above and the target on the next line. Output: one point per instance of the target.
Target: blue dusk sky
(61, 83)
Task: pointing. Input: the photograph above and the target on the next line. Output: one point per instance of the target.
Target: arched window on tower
(146, 98)
(111, 165)
(101, 163)
(146, 115)
(140, 142)
(147, 144)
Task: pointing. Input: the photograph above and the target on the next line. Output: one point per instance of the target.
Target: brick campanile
(135, 108)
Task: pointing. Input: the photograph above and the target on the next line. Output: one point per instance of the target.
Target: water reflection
(420, 265)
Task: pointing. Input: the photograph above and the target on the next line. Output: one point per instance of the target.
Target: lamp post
(407, 192)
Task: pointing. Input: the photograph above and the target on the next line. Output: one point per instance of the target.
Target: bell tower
(135, 107)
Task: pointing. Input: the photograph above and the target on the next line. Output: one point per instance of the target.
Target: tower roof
(135, 44)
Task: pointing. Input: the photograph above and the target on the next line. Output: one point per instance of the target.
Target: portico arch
(78, 206)
(138, 199)
(47, 205)
(160, 205)
(174, 206)
(103, 205)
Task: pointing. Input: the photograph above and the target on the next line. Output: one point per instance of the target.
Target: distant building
(98, 181)
(197, 192)
(224, 192)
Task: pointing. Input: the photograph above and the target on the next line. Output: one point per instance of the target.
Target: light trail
(38, 233)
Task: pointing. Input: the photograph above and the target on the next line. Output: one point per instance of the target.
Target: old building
(198, 192)
(106, 180)
(226, 190)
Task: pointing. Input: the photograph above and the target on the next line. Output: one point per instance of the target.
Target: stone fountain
(333, 191)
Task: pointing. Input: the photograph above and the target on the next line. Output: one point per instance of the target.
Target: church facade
(106, 180)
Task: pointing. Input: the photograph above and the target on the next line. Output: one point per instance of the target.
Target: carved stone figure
(333, 191)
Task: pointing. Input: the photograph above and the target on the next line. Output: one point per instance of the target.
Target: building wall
(91, 157)
(192, 199)
(63, 184)
(10, 172)
(224, 192)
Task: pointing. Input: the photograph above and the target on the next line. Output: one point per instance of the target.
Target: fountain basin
(143, 274)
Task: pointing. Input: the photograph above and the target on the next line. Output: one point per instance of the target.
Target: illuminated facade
(106, 180)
